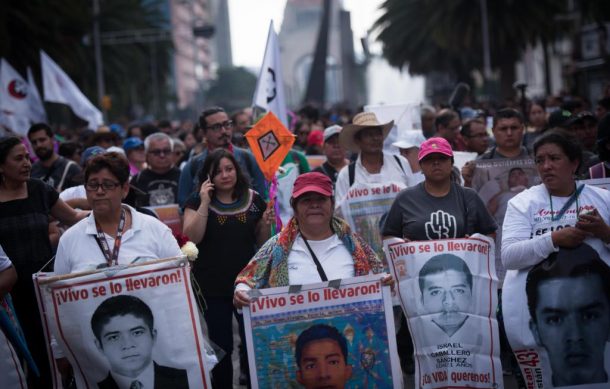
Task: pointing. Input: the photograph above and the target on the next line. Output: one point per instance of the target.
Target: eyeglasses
(218, 126)
(106, 185)
(159, 152)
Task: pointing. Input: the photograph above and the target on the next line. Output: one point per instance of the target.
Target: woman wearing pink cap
(315, 246)
(437, 208)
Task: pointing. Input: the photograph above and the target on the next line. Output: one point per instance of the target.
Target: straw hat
(361, 121)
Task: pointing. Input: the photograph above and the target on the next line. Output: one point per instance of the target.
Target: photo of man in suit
(568, 297)
(125, 333)
(445, 283)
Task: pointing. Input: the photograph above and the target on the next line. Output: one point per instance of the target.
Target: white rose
(190, 250)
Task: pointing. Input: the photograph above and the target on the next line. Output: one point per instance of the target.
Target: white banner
(14, 99)
(37, 112)
(362, 208)
(557, 319)
(448, 291)
(120, 325)
(59, 88)
(346, 331)
(269, 92)
(406, 116)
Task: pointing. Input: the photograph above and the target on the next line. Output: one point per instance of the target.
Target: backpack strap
(351, 172)
(63, 176)
(399, 163)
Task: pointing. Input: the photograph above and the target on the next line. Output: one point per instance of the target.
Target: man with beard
(217, 129)
(52, 168)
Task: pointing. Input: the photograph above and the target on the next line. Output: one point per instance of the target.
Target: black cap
(560, 118)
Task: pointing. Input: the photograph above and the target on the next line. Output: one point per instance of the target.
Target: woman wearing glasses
(114, 233)
(25, 205)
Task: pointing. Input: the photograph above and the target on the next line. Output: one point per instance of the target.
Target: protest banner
(354, 319)
(557, 318)
(362, 208)
(170, 215)
(448, 291)
(497, 181)
(406, 116)
(125, 324)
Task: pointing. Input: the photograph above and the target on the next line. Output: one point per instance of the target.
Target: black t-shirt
(159, 189)
(54, 174)
(417, 215)
(229, 242)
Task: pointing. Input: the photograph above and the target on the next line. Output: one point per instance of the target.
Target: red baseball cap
(312, 182)
(315, 138)
(434, 145)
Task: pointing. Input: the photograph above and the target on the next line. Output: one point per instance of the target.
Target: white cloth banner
(269, 92)
(406, 116)
(125, 324)
(448, 291)
(315, 322)
(59, 88)
(567, 344)
(14, 99)
(362, 208)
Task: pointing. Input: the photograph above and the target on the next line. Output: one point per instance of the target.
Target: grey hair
(157, 136)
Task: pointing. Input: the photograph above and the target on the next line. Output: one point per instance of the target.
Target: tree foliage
(63, 29)
(233, 89)
(445, 36)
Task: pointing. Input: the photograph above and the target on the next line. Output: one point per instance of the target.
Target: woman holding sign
(227, 221)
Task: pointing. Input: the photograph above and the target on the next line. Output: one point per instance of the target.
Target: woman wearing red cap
(315, 246)
(437, 208)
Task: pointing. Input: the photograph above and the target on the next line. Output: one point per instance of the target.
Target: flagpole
(99, 66)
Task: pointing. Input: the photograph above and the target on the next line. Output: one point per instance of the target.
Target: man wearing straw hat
(365, 136)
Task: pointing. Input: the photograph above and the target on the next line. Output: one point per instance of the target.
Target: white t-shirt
(75, 192)
(391, 172)
(527, 228)
(5, 262)
(148, 238)
(332, 254)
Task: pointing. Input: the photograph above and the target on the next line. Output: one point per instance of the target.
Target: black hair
(441, 263)
(210, 165)
(68, 149)
(6, 145)
(444, 117)
(116, 163)
(208, 112)
(120, 305)
(468, 123)
(319, 332)
(40, 126)
(507, 113)
(576, 262)
(565, 140)
(604, 102)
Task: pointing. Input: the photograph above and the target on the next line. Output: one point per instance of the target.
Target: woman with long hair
(25, 206)
(228, 221)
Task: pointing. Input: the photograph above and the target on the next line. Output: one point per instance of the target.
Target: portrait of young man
(445, 283)
(125, 334)
(321, 357)
(568, 297)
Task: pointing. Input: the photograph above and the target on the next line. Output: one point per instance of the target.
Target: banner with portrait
(338, 333)
(448, 291)
(127, 324)
(557, 318)
(497, 181)
(363, 207)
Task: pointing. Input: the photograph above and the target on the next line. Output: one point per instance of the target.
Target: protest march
(305, 194)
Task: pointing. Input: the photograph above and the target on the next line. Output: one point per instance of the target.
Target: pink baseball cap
(312, 182)
(434, 145)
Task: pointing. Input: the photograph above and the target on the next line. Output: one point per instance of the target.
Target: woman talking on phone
(227, 221)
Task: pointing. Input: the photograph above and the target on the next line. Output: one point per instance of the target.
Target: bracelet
(201, 214)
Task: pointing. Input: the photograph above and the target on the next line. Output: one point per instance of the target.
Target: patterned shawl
(269, 266)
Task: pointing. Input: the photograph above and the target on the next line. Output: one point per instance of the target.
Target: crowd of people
(71, 202)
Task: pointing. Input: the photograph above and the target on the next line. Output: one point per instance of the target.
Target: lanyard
(567, 205)
(315, 260)
(113, 259)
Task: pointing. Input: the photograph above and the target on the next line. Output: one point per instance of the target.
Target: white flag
(269, 93)
(59, 88)
(14, 96)
(37, 112)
